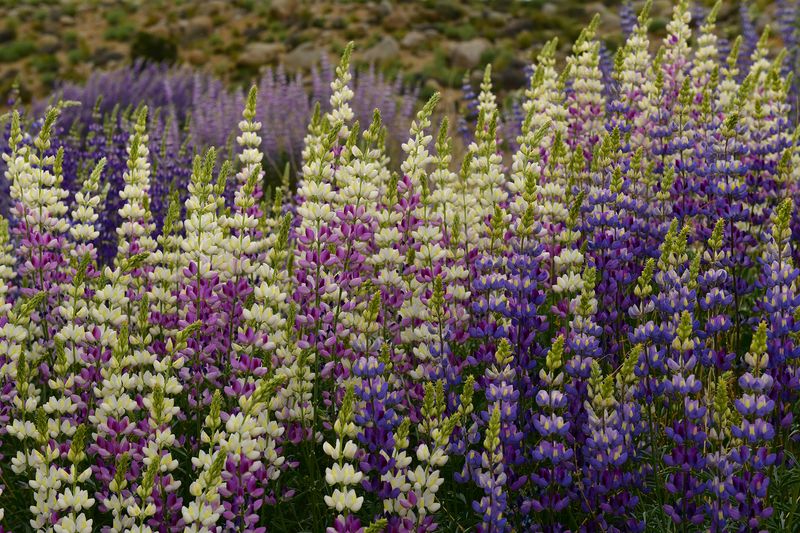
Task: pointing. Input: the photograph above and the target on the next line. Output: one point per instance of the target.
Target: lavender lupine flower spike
(604, 453)
(752, 456)
(552, 483)
(684, 388)
(492, 479)
(716, 302)
(780, 303)
(627, 17)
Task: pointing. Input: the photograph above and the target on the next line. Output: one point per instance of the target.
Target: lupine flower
(780, 303)
(557, 345)
(552, 483)
(752, 457)
(585, 102)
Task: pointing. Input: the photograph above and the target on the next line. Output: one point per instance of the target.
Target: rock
(384, 51)
(425, 27)
(413, 40)
(283, 9)
(196, 57)
(303, 57)
(608, 17)
(518, 25)
(384, 9)
(212, 7)
(186, 10)
(253, 33)
(495, 17)
(549, 9)
(196, 27)
(396, 20)
(468, 54)
(433, 86)
(160, 30)
(103, 56)
(66, 20)
(663, 8)
(257, 54)
(448, 11)
(476, 77)
(49, 44)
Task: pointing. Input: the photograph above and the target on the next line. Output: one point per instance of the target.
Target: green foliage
(461, 32)
(115, 16)
(658, 25)
(149, 47)
(439, 69)
(445, 9)
(45, 63)
(524, 39)
(122, 32)
(16, 50)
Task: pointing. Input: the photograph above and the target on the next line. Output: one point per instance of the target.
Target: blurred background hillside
(428, 44)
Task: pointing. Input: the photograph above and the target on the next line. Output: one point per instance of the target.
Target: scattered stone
(212, 7)
(550, 10)
(196, 27)
(196, 57)
(384, 51)
(518, 25)
(283, 9)
(495, 17)
(396, 20)
(384, 9)
(253, 33)
(257, 54)
(663, 7)
(414, 39)
(49, 44)
(609, 18)
(103, 56)
(160, 30)
(468, 54)
(476, 77)
(303, 57)
(433, 86)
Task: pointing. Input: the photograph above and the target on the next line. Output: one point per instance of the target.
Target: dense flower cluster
(190, 112)
(212, 110)
(598, 333)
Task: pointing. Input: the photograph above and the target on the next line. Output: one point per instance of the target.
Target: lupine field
(319, 307)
